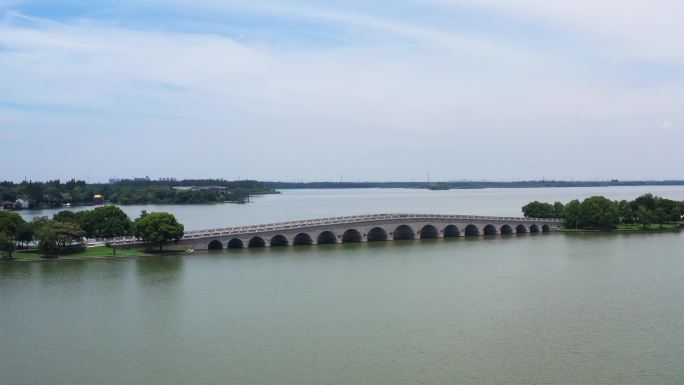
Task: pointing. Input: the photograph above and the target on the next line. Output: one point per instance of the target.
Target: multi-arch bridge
(357, 228)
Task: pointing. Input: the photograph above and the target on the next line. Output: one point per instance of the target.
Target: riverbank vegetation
(145, 191)
(600, 213)
(67, 232)
(94, 252)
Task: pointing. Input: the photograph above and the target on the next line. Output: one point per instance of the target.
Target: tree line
(599, 212)
(68, 229)
(54, 193)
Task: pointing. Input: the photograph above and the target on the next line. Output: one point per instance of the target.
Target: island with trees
(56, 193)
(67, 232)
(647, 212)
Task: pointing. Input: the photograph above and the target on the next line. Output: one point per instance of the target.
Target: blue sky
(311, 90)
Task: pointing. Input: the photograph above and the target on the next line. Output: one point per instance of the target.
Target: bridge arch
(302, 239)
(326, 237)
(520, 229)
(404, 232)
(351, 235)
(472, 230)
(489, 230)
(215, 245)
(534, 228)
(377, 234)
(429, 231)
(506, 229)
(545, 228)
(256, 242)
(235, 243)
(451, 231)
(279, 241)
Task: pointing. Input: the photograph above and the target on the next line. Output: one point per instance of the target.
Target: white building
(21, 203)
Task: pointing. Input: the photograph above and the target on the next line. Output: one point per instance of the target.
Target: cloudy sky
(363, 90)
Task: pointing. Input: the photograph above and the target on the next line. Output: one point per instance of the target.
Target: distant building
(215, 188)
(114, 180)
(98, 199)
(197, 188)
(21, 203)
(145, 179)
(7, 205)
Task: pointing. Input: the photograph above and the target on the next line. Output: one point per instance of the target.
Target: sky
(342, 90)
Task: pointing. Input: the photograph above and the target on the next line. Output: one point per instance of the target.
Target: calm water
(544, 309)
(303, 204)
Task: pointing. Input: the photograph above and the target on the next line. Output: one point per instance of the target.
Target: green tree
(538, 209)
(53, 235)
(558, 209)
(647, 200)
(158, 228)
(38, 222)
(10, 223)
(47, 240)
(677, 212)
(572, 214)
(661, 216)
(66, 216)
(599, 212)
(106, 222)
(664, 210)
(7, 245)
(625, 212)
(644, 216)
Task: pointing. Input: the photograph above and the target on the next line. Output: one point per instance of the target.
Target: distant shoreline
(469, 184)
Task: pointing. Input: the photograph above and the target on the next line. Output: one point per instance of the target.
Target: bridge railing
(304, 223)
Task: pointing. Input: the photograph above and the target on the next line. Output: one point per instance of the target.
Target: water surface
(305, 204)
(526, 309)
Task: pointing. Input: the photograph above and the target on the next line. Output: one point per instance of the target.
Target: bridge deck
(350, 219)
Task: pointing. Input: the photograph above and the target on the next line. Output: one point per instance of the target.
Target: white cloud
(400, 107)
(647, 29)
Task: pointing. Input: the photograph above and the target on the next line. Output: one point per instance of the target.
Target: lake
(556, 308)
(305, 204)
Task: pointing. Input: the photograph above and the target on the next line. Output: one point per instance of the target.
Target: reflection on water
(159, 269)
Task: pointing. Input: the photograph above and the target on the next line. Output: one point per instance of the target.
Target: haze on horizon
(312, 90)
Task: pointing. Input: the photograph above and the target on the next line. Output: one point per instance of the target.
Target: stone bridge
(357, 228)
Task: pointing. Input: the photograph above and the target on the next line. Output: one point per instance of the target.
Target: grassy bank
(634, 227)
(631, 227)
(92, 252)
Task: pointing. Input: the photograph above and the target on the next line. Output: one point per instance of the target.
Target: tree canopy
(54, 235)
(11, 223)
(55, 192)
(598, 212)
(158, 228)
(105, 222)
